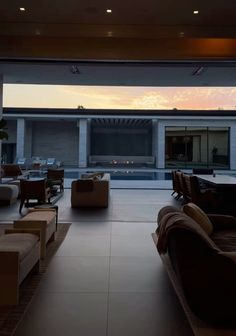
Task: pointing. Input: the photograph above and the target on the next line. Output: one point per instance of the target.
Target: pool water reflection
(128, 175)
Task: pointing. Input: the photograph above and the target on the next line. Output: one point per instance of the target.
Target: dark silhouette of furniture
(12, 170)
(199, 253)
(176, 185)
(34, 190)
(204, 171)
(56, 178)
(207, 199)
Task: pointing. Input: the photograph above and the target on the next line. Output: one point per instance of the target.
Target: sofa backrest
(206, 275)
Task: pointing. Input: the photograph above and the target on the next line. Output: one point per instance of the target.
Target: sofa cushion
(225, 240)
(8, 191)
(93, 176)
(199, 216)
(18, 242)
(177, 221)
(84, 185)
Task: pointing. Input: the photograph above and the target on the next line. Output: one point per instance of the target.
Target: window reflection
(188, 147)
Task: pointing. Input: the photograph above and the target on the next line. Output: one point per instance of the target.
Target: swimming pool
(127, 175)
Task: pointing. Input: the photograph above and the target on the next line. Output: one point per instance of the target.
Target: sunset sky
(113, 97)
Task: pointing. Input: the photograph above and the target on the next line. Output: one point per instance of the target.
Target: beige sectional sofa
(91, 191)
(43, 220)
(8, 194)
(19, 255)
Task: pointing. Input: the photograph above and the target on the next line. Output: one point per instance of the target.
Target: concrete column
(1, 108)
(155, 141)
(83, 134)
(88, 137)
(232, 144)
(20, 138)
(161, 145)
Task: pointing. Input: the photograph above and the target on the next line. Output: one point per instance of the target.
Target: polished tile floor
(107, 278)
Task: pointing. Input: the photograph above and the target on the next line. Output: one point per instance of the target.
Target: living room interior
(102, 273)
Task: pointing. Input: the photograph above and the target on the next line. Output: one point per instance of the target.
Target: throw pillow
(199, 216)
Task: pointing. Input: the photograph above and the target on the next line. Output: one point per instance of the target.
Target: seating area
(108, 257)
(30, 185)
(199, 253)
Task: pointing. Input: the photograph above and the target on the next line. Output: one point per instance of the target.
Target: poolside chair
(50, 162)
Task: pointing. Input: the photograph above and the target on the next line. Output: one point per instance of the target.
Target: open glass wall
(188, 147)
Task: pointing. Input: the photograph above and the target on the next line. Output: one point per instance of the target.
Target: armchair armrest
(41, 209)
(222, 222)
(33, 231)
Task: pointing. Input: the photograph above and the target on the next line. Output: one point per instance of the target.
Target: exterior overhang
(111, 48)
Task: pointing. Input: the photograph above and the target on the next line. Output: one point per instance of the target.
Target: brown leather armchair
(56, 177)
(34, 190)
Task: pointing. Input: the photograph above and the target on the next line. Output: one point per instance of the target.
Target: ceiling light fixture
(22, 9)
(195, 12)
(198, 71)
(75, 70)
(109, 10)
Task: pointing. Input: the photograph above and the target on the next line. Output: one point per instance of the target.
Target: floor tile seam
(80, 256)
(88, 235)
(134, 235)
(109, 283)
(113, 221)
(40, 291)
(72, 292)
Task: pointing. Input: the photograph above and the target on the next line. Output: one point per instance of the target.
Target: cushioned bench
(19, 254)
(8, 194)
(42, 219)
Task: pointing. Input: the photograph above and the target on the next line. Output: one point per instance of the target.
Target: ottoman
(8, 194)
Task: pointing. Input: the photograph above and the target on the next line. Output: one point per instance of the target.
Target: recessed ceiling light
(22, 9)
(109, 10)
(195, 12)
